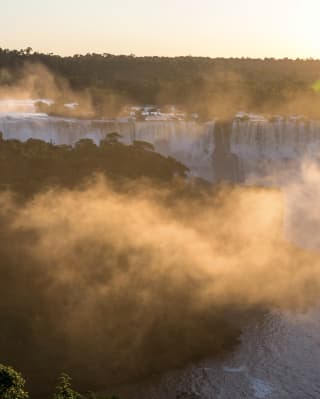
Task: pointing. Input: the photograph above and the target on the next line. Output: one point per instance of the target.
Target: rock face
(226, 165)
(234, 151)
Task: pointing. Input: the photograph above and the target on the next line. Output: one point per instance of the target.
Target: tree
(144, 145)
(11, 384)
(29, 50)
(113, 137)
(85, 145)
(64, 389)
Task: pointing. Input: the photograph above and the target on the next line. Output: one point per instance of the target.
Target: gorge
(250, 150)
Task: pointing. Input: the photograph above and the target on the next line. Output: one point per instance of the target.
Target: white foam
(241, 369)
(261, 388)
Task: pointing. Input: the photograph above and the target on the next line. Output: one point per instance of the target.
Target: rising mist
(112, 286)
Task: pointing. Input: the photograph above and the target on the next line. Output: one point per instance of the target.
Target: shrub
(11, 384)
(64, 389)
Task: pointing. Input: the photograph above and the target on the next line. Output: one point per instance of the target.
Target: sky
(224, 28)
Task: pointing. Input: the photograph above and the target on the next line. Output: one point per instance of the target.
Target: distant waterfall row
(254, 148)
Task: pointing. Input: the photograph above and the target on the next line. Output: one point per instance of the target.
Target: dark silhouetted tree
(143, 144)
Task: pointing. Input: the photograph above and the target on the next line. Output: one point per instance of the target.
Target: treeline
(209, 86)
(27, 167)
(46, 294)
(12, 386)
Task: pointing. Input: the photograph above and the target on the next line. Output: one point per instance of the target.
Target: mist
(36, 81)
(215, 88)
(114, 286)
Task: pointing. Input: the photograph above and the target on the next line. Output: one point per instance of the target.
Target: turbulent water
(279, 357)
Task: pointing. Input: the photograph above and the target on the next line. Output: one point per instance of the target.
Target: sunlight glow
(230, 28)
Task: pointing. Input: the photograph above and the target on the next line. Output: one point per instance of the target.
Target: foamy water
(279, 357)
(262, 147)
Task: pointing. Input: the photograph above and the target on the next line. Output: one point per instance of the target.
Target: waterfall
(255, 147)
(275, 148)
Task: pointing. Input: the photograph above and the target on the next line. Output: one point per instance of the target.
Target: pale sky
(224, 28)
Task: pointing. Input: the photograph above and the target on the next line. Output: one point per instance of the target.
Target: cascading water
(255, 148)
(279, 358)
(268, 148)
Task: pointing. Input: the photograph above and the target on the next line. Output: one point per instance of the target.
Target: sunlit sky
(224, 28)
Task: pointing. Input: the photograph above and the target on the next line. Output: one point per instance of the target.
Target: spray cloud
(110, 285)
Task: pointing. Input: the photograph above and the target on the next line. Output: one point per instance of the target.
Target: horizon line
(29, 51)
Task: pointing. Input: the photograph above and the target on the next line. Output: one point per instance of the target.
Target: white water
(262, 147)
(278, 358)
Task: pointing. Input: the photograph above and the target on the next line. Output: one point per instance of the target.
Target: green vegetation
(64, 389)
(143, 145)
(42, 308)
(11, 384)
(198, 84)
(40, 296)
(12, 387)
(30, 166)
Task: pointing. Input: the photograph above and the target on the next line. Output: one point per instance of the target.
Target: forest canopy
(31, 166)
(209, 86)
